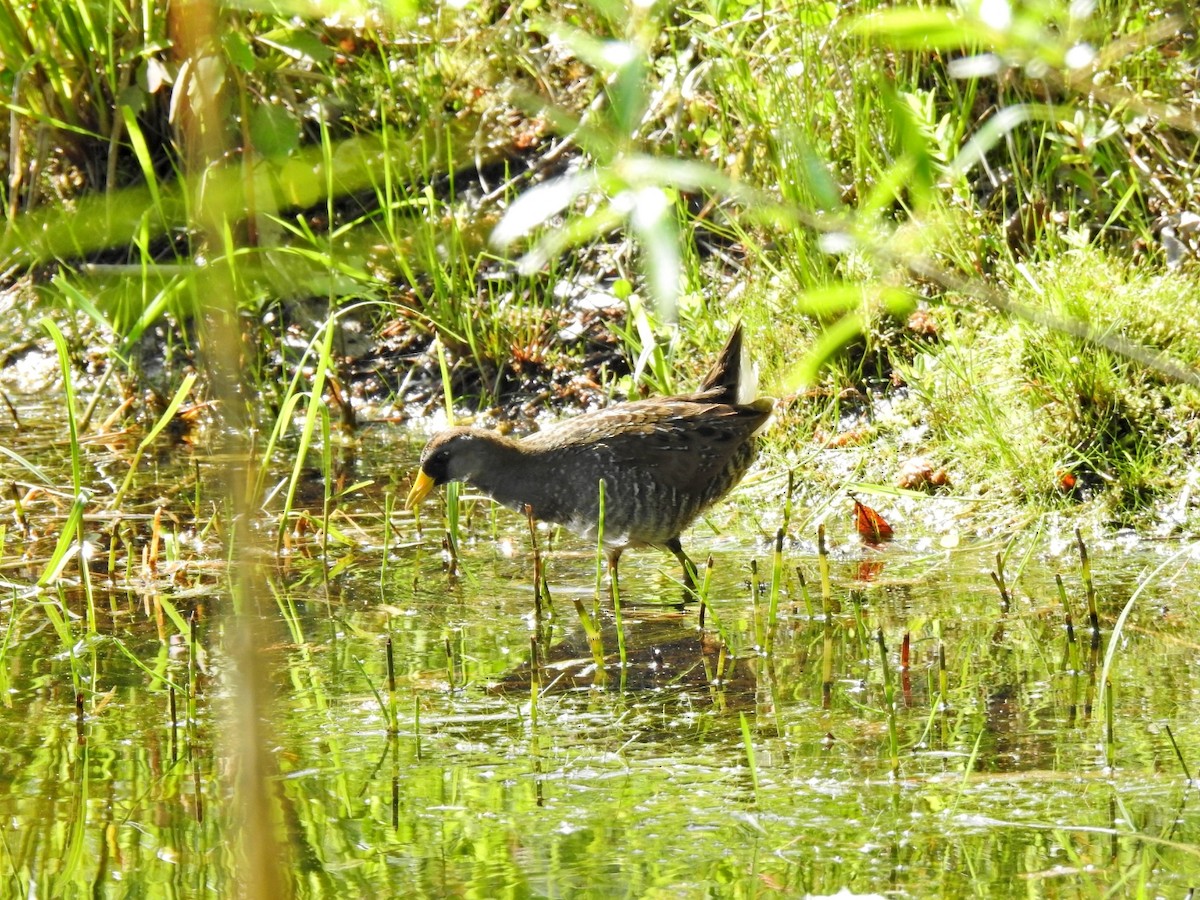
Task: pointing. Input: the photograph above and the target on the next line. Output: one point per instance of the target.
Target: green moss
(1044, 417)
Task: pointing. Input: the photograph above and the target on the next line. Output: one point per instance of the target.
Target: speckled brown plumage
(663, 462)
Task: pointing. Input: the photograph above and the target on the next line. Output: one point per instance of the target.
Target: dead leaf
(871, 526)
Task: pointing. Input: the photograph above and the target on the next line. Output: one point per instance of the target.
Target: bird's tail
(733, 378)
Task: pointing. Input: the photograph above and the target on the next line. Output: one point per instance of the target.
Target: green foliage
(624, 186)
(1058, 416)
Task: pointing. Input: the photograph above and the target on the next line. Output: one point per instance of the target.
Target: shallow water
(753, 758)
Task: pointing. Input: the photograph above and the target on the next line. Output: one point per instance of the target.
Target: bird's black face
(448, 456)
(436, 465)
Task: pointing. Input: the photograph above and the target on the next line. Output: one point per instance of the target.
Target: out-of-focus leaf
(614, 10)
(299, 182)
(402, 10)
(978, 65)
(274, 130)
(539, 204)
(996, 127)
(854, 302)
(622, 61)
(653, 221)
(576, 231)
(898, 302)
(840, 298)
(298, 43)
(832, 300)
(607, 56)
(627, 93)
(833, 338)
(890, 186)
(687, 175)
(909, 28)
(826, 192)
(921, 174)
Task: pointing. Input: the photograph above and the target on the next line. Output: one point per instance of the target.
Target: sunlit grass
(1055, 415)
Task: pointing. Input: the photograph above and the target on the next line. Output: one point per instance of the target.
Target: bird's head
(451, 455)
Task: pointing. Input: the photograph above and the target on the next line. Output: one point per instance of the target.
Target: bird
(663, 461)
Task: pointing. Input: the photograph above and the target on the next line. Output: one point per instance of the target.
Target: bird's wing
(683, 443)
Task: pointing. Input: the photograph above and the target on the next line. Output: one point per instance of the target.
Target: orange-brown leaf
(872, 527)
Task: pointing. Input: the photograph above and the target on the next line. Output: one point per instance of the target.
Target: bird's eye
(437, 466)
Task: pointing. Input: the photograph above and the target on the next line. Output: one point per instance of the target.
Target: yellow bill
(422, 485)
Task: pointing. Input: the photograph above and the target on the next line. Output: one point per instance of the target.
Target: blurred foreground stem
(263, 862)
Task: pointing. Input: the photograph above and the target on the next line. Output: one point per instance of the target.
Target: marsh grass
(614, 582)
(1058, 417)
(889, 704)
(774, 591)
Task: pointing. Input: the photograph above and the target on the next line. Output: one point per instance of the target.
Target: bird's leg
(689, 568)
